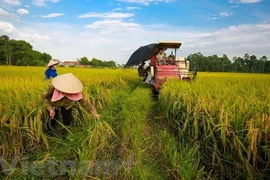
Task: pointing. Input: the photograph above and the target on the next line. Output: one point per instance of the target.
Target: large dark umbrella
(141, 54)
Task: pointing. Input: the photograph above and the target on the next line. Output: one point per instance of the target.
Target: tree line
(97, 62)
(247, 63)
(20, 53)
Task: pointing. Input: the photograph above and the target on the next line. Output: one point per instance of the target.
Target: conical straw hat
(52, 62)
(67, 83)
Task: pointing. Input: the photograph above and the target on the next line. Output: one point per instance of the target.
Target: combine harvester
(157, 71)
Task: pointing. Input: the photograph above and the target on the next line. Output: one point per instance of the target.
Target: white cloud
(39, 3)
(129, 8)
(7, 27)
(22, 11)
(225, 14)
(32, 36)
(113, 15)
(212, 18)
(235, 6)
(42, 3)
(22, 34)
(147, 2)
(7, 14)
(220, 15)
(52, 15)
(119, 39)
(107, 23)
(12, 2)
(114, 26)
(27, 6)
(244, 1)
(118, 9)
(233, 41)
(4, 12)
(232, 35)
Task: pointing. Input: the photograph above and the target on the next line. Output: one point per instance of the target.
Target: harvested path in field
(158, 143)
(142, 134)
(131, 114)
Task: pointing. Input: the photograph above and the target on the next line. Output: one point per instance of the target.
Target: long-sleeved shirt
(65, 102)
(50, 73)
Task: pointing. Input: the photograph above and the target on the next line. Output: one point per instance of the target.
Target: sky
(114, 29)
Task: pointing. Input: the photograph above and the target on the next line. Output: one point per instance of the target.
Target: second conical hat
(52, 62)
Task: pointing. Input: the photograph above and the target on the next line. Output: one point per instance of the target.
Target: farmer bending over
(64, 92)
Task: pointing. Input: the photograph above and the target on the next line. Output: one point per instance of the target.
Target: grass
(215, 128)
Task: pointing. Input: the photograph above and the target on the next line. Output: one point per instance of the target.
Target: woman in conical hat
(64, 92)
(51, 71)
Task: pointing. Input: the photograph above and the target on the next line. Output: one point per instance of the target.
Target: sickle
(50, 124)
(50, 121)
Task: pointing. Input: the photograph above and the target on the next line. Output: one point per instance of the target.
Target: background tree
(95, 62)
(19, 52)
(8, 49)
(263, 59)
(226, 63)
(4, 47)
(214, 63)
(84, 61)
(99, 63)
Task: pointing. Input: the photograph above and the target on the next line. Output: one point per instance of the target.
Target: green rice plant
(225, 113)
(214, 128)
(182, 161)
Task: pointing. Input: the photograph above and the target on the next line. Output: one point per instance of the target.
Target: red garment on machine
(153, 60)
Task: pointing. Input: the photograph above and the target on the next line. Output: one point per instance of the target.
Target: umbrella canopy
(142, 54)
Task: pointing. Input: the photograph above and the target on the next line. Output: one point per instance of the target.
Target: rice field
(215, 128)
